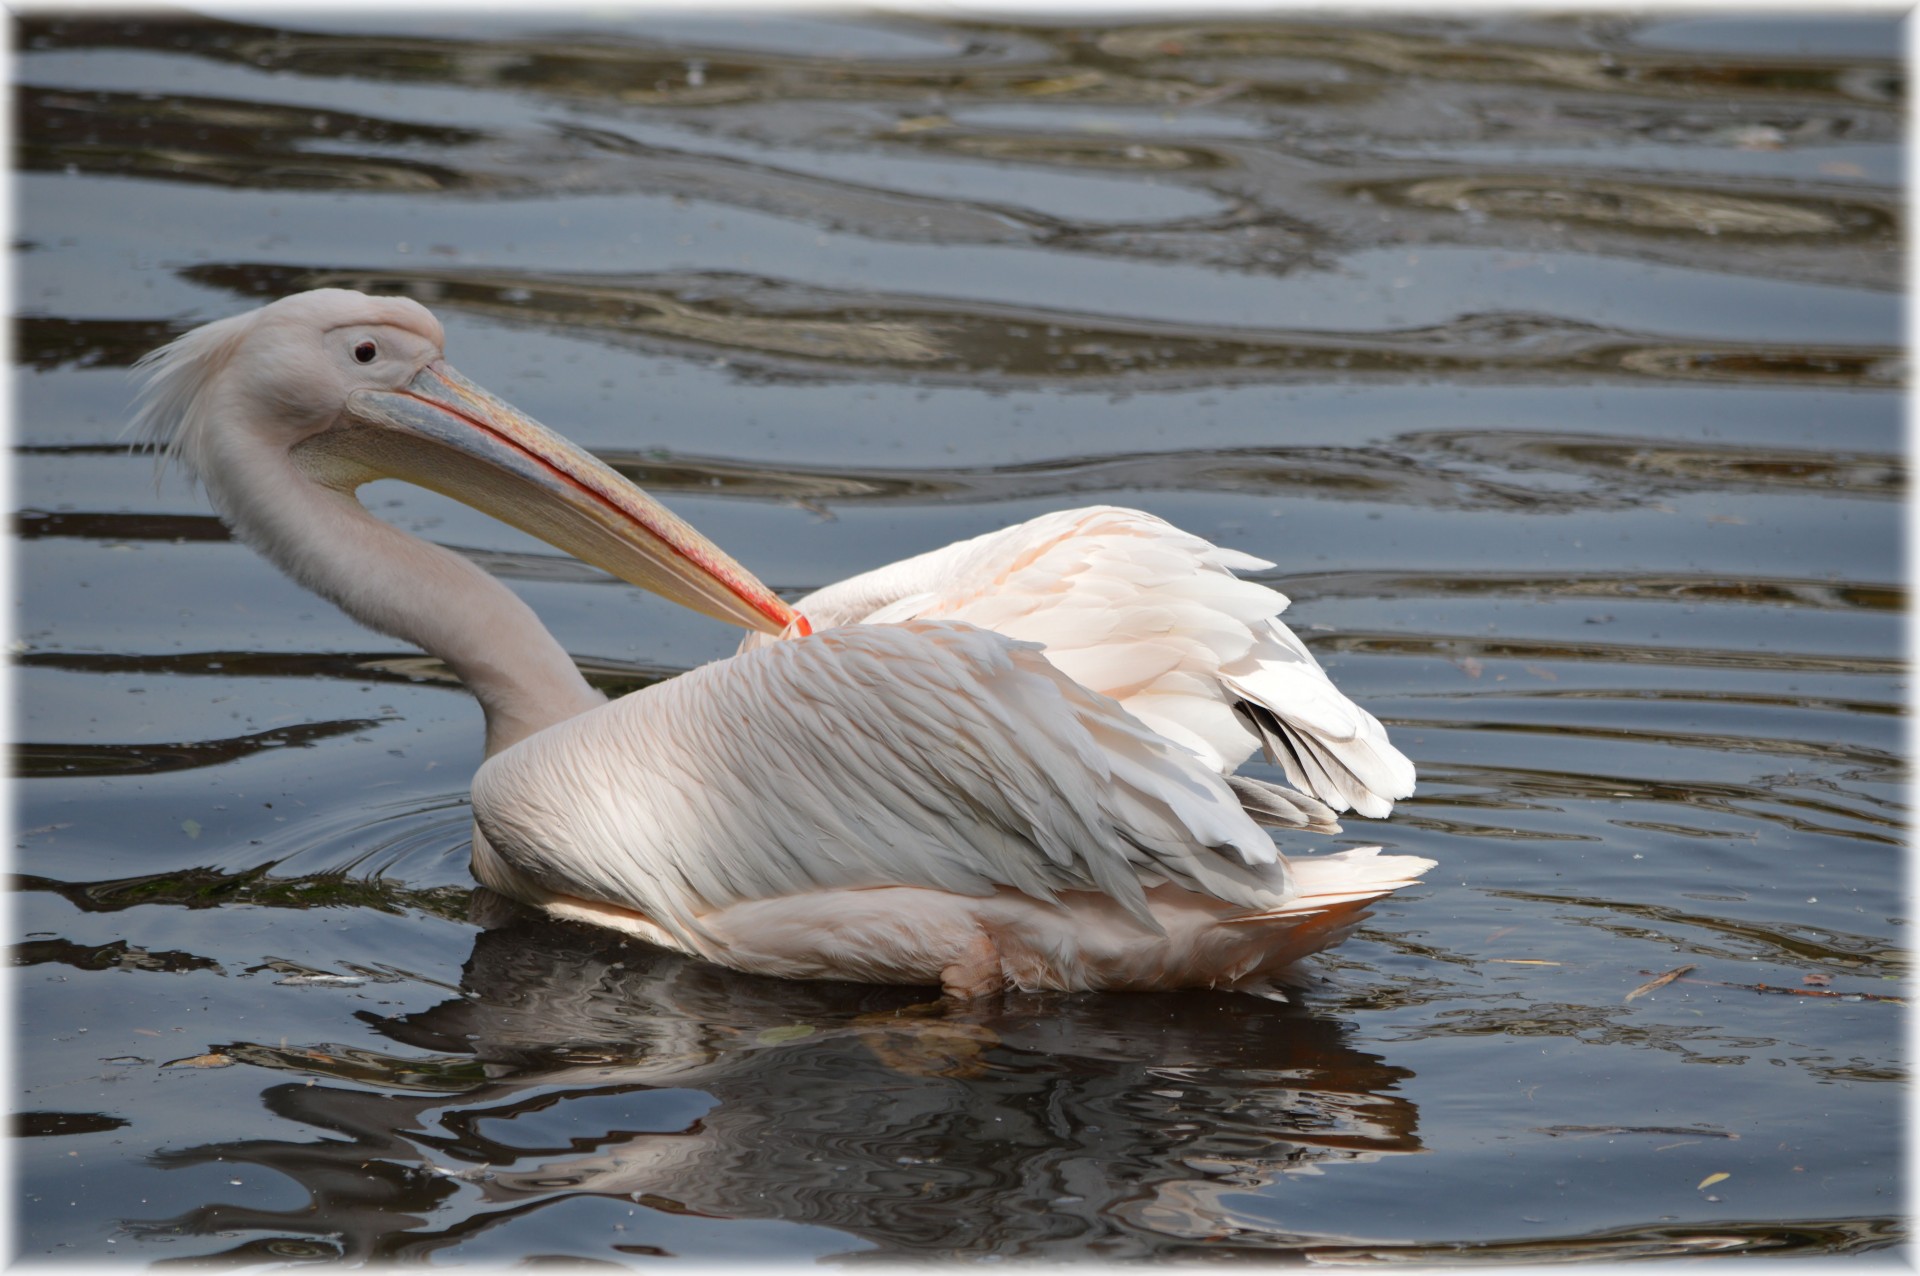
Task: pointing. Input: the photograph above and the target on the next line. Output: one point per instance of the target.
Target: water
(1557, 362)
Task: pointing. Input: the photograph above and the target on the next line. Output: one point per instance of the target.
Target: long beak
(445, 433)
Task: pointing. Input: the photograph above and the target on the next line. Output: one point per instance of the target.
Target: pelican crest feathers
(177, 380)
(174, 382)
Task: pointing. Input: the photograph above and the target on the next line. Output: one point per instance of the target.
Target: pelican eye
(365, 351)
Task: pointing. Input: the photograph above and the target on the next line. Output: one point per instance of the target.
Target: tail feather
(1335, 893)
(1341, 882)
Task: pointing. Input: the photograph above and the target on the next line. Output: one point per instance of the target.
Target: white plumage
(1133, 607)
(1003, 763)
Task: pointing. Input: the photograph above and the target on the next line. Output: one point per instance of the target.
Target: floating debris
(472, 1174)
(1658, 981)
(1809, 992)
(320, 981)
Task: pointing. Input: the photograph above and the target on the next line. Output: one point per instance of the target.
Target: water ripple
(948, 340)
(1641, 206)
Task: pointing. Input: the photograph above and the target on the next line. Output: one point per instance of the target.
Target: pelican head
(351, 388)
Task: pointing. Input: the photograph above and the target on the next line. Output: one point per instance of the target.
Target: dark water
(1557, 361)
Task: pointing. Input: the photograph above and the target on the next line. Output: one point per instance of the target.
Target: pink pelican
(1006, 763)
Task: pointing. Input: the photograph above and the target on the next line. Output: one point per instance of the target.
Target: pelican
(1004, 764)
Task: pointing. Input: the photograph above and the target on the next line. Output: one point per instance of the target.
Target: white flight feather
(1135, 608)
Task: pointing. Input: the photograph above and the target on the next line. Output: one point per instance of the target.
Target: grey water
(1556, 361)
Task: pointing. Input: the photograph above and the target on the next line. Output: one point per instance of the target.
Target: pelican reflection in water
(609, 1083)
(1006, 763)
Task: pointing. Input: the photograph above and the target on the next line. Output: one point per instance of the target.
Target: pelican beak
(445, 433)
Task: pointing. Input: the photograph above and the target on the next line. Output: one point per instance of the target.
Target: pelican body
(1006, 763)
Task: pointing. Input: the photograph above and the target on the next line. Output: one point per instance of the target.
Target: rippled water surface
(1556, 361)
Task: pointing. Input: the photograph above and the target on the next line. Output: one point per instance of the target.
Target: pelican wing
(930, 753)
(1134, 608)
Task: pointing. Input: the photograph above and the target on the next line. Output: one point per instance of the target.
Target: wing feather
(1138, 610)
(928, 753)
(1272, 805)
